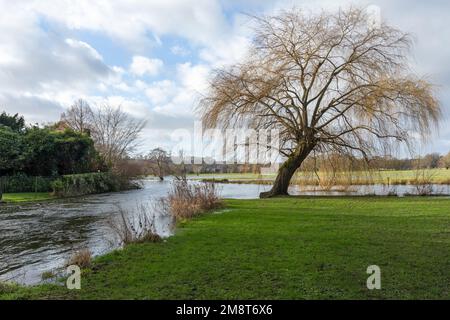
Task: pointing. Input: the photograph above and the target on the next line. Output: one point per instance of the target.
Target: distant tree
(328, 82)
(79, 116)
(180, 169)
(445, 161)
(431, 161)
(16, 123)
(115, 133)
(159, 163)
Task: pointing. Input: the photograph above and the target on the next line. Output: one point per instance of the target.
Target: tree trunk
(285, 173)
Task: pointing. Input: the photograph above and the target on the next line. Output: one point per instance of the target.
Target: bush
(89, 183)
(423, 182)
(138, 228)
(81, 258)
(23, 183)
(187, 200)
(7, 288)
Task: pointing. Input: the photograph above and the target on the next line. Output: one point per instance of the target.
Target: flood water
(36, 238)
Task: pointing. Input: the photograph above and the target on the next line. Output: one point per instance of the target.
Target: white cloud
(84, 47)
(179, 51)
(42, 71)
(134, 107)
(142, 65)
(198, 21)
(161, 91)
(193, 77)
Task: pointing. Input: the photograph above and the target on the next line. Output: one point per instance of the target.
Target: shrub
(89, 183)
(81, 258)
(187, 200)
(47, 275)
(139, 228)
(23, 183)
(423, 182)
(6, 288)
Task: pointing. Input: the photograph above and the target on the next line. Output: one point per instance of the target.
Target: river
(40, 237)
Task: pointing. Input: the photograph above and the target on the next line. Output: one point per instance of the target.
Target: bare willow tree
(114, 132)
(329, 82)
(79, 116)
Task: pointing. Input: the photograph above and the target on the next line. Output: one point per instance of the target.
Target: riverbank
(27, 197)
(77, 185)
(287, 248)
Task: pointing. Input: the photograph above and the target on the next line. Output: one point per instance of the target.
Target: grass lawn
(26, 197)
(287, 248)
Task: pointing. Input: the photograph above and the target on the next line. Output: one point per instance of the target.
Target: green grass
(26, 197)
(287, 248)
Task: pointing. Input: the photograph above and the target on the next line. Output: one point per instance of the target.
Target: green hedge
(23, 183)
(67, 185)
(89, 183)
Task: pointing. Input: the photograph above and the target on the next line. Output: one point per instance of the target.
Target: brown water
(35, 238)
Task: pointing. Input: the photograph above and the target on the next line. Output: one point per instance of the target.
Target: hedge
(67, 185)
(23, 183)
(89, 183)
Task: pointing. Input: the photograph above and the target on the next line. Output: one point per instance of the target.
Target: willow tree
(328, 82)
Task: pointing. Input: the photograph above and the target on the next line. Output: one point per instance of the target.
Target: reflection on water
(35, 238)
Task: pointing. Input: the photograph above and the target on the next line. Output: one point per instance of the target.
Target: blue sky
(154, 57)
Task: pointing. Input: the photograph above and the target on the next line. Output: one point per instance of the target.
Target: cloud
(34, 109)
(42, 71)
(30, 58)
(159, 92)
(141, 66)
(198, 21)
(193, 77)
(179, 51)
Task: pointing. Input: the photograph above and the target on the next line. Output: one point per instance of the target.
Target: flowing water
(36, 238)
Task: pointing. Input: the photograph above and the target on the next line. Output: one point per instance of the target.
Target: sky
(154, 57)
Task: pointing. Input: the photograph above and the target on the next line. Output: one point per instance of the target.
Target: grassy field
(26, 197)
(393, 177)
(287, 248)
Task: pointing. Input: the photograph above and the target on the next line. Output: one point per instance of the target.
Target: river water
(36, 238)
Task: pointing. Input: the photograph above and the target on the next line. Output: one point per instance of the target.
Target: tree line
(342, 162)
